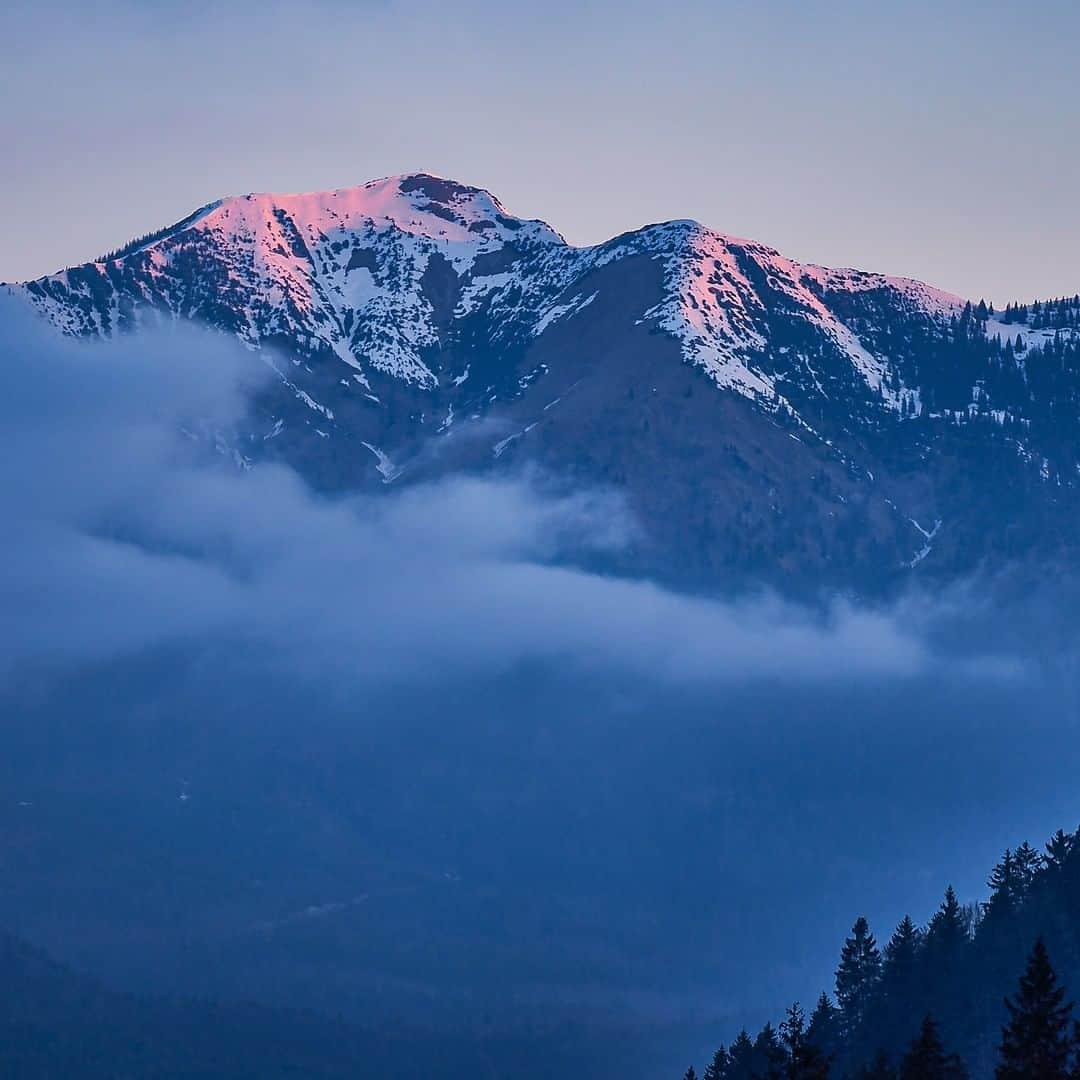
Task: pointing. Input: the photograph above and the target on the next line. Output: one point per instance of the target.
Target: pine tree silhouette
(1028, 863)
(926, 1058)
(947, 931)
(719, 1067)
(805, 1061)
(770, 1060)
(1037, 1043)
(857, 975)
(1004, 883)
(944, 960)
(899, 999)
(1057, 849)
(824, 1027)
(741, 1054)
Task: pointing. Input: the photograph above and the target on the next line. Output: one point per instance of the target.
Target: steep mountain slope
(767, 418)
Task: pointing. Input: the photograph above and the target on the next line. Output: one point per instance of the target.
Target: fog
(408, 757)
(137, 529)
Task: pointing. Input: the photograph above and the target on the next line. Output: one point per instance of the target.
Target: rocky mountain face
(768, 421)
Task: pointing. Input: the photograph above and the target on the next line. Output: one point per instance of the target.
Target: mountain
(767, 419)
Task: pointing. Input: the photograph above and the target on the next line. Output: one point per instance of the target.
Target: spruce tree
(769, 1056)
(741, 1055)
(857, 976)
(1057, 849)
(943, 961)
(805, 1061)
(690, 1074)
(947, 930)
(926, 1058)
(718, 1067)
(900, 965)
(1004, 884)
(824, 1027)
(900, 1000)
(1028, 864)
(1037, 1043)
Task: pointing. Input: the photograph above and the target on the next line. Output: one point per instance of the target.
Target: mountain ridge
(398, 313)
(460, 219)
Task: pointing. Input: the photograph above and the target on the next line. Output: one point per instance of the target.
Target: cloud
(134, 532)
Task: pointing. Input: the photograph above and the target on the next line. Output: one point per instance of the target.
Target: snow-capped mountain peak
(730, 388)
(350, 269)
(466, 219)
(385, 274)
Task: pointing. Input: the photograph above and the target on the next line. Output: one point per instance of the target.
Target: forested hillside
(981, 990)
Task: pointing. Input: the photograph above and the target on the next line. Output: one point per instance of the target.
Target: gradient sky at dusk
(928, 139)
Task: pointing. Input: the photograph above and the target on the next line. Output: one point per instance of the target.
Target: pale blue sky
(938, 140)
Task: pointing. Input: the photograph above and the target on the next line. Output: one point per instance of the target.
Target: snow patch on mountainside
(1026, 335)
(387, 469)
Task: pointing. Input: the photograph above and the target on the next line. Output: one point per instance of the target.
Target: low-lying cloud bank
(127, 532)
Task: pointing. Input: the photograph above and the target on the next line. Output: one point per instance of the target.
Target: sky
(935, 141)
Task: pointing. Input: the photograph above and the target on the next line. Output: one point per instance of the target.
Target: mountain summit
(767, 419)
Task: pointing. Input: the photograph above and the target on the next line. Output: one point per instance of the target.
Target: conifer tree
(769, 1056)
(857, 975)
(824, 1027)
(718, 1068)
(900, 998)
(947, 925)
(898, 971)
(926, 1058)
(1002, 947)
(741, 1055)
(946, 937)
(805, 1061)
(1057, 849)
(1004, 884)
(1037, 1043)
(690, 1074)
(943, 961)
(1028, 863)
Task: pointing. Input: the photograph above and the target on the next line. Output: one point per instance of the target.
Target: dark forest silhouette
(943, 1001)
